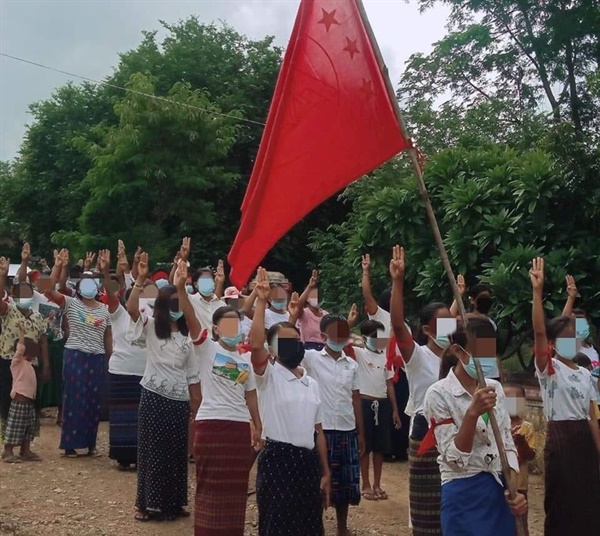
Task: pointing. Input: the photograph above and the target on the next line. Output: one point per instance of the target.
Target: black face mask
(483, 304)
(290, 352)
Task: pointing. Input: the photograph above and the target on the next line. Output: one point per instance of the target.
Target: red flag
(331, 121)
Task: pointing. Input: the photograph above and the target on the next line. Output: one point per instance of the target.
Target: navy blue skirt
(476, 506)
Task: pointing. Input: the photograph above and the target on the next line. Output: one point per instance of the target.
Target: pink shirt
(24, 380)
(310, 326)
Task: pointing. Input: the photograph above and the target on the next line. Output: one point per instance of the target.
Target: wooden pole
(506, 470)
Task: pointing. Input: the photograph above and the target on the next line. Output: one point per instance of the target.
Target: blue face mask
(280, 305)
(88, 288)
(582, 328)
(566, 347)
(489, 367)
(25, 303)
(442, 341)
(336, 346)
(371, 344)
(189, 289)
(206, 286)
(175, 315)
(232, 341)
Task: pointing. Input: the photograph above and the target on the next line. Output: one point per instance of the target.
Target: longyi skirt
(344, 465)
(162, 454)
(288, 491)
(223, 457)
(572, 480)
(424, 484)
(125, 392)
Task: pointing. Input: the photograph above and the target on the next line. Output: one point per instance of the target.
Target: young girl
(422, 365)
(221, 450)
(170, 388)
(572, 453)
(277, 311)
(474, 501)
(292, 483)
(379, 406)
(309, 314)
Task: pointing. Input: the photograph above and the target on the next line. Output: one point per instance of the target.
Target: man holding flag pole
(333, 118)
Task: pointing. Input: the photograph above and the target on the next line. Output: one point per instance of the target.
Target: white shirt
(171, 365)
(386, 319)
(337, 379)
(205, 309)
(422, 371)
(567, 393)
(226, 377)
(290, 406)
(448, 398)
(272, 318)
(128, 357)
(595, 359)
(246, 325)
(372, 374)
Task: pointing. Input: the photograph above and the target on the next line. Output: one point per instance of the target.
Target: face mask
(24, 303)
(566, 347)
(279, 304)
(232, 341)
(175, 315)
(290, 352)
(313, 302)
(515, 406)
(206, 286)
(88, 288)
(371, 344)
(336, 346)
(442, 341)
(489, 366)
(189, 289)
(582, 328)
(483, 304)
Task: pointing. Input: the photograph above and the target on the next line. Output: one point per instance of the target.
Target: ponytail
(448, 362)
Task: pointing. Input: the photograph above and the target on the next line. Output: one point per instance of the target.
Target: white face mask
(515, 405)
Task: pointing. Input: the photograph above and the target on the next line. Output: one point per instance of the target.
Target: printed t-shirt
(372, 374)
(87, 326)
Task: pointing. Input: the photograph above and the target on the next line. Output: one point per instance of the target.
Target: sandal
(31, 457)
(380, 494)
(369, 495)
(93, 453)
(12, 459)
(144, 516)
(71, 453)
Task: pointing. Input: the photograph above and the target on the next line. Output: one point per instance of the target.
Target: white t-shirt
(272, 318)
(226, 378)
(386, 319)
(205, 309)
(128, 357)
(372, 374)
(567, 393)
(246, 325)
(595, 359)
(422, 371)
(337, 379)
(290, 406)
(171, 364)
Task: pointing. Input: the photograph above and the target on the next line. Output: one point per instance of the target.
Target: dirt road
(89, 497)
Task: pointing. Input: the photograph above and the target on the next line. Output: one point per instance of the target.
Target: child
(379, 406)
(308, 314)
(474, 502)
(20, 427)
(522, 433)
(571, 473)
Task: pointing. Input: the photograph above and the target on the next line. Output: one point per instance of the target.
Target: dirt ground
(89, 497)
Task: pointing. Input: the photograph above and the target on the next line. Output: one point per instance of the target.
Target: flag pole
(506, 470)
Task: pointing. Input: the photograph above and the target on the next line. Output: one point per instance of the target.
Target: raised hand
(184, 251)
(137, 255)
(143, 266)
(64, 256)
(353, 315)
(180, 276)
(460, 283)
(104, 260)
(122, 262)
(536, 274)
(89, 259)
(293, 306)
(4, 264)
(263, 289)
(397, 263)
(314, 279)
(26, 253)
(571, 287)
(220, 275)
(366, 262)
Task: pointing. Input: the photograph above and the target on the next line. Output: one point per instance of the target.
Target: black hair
(275, 328)
(478, 326)
(384, 299)
(368, 328)
(582, 360)
(220, 314)
(162, 317)
(478, 289)
(556, 326)
(204, 270)
(329, 319)
(32, 348)
(427, 313)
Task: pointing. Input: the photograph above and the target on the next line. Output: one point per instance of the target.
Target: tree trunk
(573, 99)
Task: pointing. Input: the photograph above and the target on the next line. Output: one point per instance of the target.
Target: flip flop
(380, 494)
(143, 516)
(369, 495)
(12, 459)
(31, 457)
(93, 453)
(70, 454)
